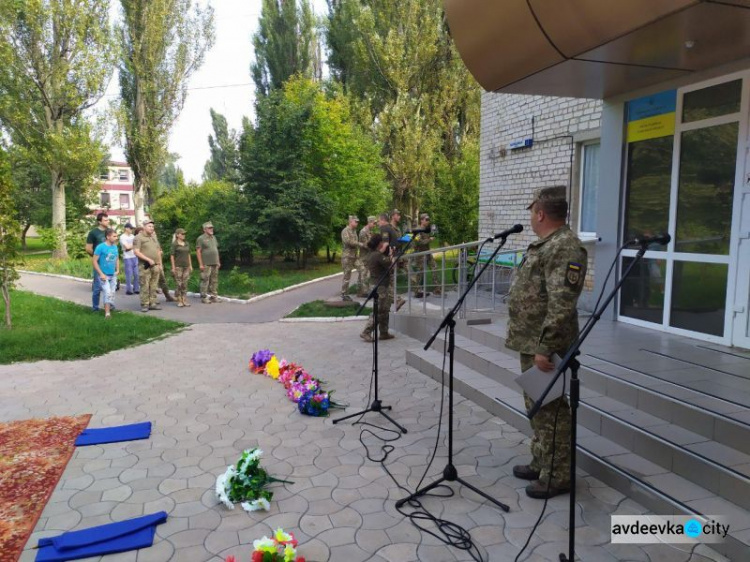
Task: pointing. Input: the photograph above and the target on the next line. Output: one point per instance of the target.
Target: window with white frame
(124, 201)
(123, 175)
(589, 186)
(104, 199)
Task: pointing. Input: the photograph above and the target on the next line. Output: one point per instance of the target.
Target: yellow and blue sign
(652, 117)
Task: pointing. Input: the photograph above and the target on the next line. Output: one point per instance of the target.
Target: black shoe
(137, 292)
(128, 292)
(525, 472)
(346, 298)
(541, 490)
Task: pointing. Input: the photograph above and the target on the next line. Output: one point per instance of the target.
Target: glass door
(682, 178)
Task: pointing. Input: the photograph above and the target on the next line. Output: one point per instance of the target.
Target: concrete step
(656, 472)
(713, 419)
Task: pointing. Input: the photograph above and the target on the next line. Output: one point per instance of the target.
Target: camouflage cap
(208, 224)
(147, 221)
(180, 231)
(395, 212)
(424, 216)
(353, 218)
(551, 194)
(372, 218)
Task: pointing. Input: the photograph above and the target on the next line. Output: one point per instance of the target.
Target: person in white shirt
(130, 261)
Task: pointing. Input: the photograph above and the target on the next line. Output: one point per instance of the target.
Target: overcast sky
(222, 83)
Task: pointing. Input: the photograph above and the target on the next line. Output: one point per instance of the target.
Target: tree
(305, 166)
(224, 154)
(285, 44)
(170, 177)
(9, 230)
(162, 42)
(30, 192)
(55, 62)
(398, 58)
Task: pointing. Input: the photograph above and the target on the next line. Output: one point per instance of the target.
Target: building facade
(115, 195)
(670, 159)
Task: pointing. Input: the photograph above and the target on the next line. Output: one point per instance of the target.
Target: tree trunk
(139, 190)
(6, 298)
(26, 228)
(58, 216)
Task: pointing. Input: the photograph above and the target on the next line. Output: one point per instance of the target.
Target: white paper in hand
(534, 381)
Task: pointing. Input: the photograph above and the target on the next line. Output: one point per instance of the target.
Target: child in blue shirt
(107, 266)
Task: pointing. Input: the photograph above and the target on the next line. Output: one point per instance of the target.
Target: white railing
(455, 267)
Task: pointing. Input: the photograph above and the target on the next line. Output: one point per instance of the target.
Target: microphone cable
(557, 411)
(447, 532)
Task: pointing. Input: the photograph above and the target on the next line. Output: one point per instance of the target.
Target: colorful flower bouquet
(301, 387)
(282, 547)
(246, 483)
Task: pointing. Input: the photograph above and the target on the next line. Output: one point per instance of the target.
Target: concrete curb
(222, 299)
(325, 319)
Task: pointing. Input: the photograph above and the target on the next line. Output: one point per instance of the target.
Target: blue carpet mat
(122, 536)
(97, 436)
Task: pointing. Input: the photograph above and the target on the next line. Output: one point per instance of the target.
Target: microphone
(505, 233)
(662, 239)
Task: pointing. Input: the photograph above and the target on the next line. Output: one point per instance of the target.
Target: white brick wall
(508, 178)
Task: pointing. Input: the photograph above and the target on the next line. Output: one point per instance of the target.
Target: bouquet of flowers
(246, 483)
(316, 403)
(297, 382)
(282, 547)
(259, 359)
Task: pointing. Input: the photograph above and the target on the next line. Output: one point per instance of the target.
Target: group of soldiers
(355, 250)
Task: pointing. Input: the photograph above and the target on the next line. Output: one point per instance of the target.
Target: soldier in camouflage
(378, 262)
(349, 249)
(543, 320)
(421, 243)
(364, 237)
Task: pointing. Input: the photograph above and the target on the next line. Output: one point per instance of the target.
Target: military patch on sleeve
(573, 274)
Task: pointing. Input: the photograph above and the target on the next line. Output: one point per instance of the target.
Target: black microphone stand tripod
(377, 405)
(570, 362)
(450, 474)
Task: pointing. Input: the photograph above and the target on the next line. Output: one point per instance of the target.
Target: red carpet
(33, 456)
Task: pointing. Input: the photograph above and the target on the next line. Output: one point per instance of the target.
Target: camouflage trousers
(163, 284)
(543, 425)
(348, 264)
(384, 306)
(364, 278)
(210, 281)
(149, 279)
(181, 277)
(418, 271)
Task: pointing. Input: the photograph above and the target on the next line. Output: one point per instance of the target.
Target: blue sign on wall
(649, 106)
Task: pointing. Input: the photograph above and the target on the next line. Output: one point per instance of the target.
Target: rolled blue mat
(97, 436)
(122, 536)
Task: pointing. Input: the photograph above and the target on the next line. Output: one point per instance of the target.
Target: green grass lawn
(48, 328)
(240, 282)
(319, 309)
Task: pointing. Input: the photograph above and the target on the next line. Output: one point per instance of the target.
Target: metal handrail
(494, 282)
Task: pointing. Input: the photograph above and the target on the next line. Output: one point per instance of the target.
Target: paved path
(266, 310)
(206, 408)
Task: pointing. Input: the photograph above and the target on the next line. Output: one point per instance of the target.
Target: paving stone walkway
(206, 408)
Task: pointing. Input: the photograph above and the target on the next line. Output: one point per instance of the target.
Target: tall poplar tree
(55, 62)
(162, 43)
(285, 44)
(399, 60)
(224, 161)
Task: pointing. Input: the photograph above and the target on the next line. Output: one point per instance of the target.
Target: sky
(222, 83)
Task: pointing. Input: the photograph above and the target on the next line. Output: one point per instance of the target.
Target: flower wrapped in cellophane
(246, 483)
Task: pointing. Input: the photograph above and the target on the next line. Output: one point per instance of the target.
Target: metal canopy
(594, 48)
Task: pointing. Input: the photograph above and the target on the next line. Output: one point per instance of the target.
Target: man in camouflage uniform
(364, 237)
(349, 249)
(391, 232)
(421, 243)
(148, 251)
(543, 320)
(378, 263)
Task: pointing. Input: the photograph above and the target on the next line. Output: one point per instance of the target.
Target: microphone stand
(377, 405)
(450, 474)
(570, 361)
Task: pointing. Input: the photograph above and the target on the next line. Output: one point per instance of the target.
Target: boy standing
(107, 266)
